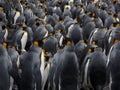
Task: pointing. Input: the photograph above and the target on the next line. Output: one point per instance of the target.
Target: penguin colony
(59, 45)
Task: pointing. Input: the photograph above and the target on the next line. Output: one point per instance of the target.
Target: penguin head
(20, 20)
(59, 27)
(76, 34)
(2, 16)
(104, 6)
(2, 9)
(67, 7)
(67, 41)
(22, 26)
(80, 48)
(116, 24)
(116, 35)
(87, 29)
(5, 44)
(3, 50)
(40, 36)
(17, 7)
(114, 1)
(4, 26)
(51, 20)
(98, 38)
(50, 45)
(116, 18)
(109, 21)
(49, 29)
(91, 48)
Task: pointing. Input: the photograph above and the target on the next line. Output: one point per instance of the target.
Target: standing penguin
(68, 79)
(30, 69)
(94, 76)
(17, 14)
(113, 67)
(50, 46)
(58, 63)
(3, 33)
(5, 67)
(20, 39)
(97, 38)
(111, 38)
(15, 68)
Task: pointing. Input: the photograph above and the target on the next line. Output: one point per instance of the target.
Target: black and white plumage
(94, 76)
(5, 68)
(15, 72)
(30, 67)
(113, 68)
(70, 70)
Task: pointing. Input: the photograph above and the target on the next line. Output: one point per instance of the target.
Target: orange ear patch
(36, 43)
(116, 41)
(5, 44)
(69, 43)
(93, 42)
